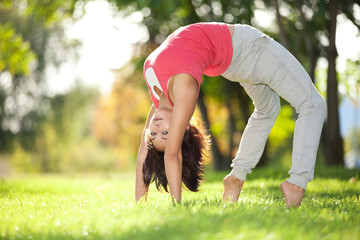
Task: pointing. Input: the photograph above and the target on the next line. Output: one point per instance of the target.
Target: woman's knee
(321, 106)
(315, 105)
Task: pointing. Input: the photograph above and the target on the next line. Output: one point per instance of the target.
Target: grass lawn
(102, 207)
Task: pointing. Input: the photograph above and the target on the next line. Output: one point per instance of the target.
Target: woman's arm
(184, 91)
(140, 189)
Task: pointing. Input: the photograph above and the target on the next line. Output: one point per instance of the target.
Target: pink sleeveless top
(197, 49)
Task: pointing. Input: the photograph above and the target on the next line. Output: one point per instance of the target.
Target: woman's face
(159, 126)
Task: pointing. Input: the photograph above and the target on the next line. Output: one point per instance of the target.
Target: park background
(73, 102)
(73, 98)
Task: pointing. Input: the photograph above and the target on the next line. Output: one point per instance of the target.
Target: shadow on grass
(334, 195)
(337, 172)
(263, 172)
(282, 174)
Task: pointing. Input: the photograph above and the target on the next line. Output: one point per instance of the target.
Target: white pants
(267, 70)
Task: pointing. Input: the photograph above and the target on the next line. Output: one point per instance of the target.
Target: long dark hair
(193, 147)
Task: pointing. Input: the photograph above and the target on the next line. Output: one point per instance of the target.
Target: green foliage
(31, 38)
(61, 139)
(15, 53)
(321, 81)
(23, 161)
(350, 80)
(51, 12)
(90, 207)
(89, 156)
(50, 156)
(71, 113)
(283, 128)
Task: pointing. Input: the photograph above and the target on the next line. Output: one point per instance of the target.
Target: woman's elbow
(171, 157)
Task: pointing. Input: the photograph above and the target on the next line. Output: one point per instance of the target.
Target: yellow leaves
(120, 117)
(104, 121)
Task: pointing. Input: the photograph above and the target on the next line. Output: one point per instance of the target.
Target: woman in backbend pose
(241, 54)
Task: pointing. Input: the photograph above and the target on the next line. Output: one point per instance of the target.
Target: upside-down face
(159, 127)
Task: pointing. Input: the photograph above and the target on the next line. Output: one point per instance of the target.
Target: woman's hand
(141, 189)
(184, 90)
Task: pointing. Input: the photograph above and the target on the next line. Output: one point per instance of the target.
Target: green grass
(87, 207)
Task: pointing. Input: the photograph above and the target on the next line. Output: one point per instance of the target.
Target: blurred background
(73, 97)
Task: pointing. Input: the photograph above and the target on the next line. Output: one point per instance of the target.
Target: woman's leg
(291, 82)
(267, 108)
(261, 61)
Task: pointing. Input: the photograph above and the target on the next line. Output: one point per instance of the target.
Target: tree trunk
(333, 148)
(231, 120)
(264, 157)
(310, 47)
(279, 19)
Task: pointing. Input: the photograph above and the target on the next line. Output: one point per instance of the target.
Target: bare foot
(232, 188)
(293, 194)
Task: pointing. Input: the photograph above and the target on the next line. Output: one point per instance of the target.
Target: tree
(31, 38)
(313, 20)
(333, 148)
(54, 143)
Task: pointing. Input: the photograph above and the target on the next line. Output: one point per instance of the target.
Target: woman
(264, 68)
